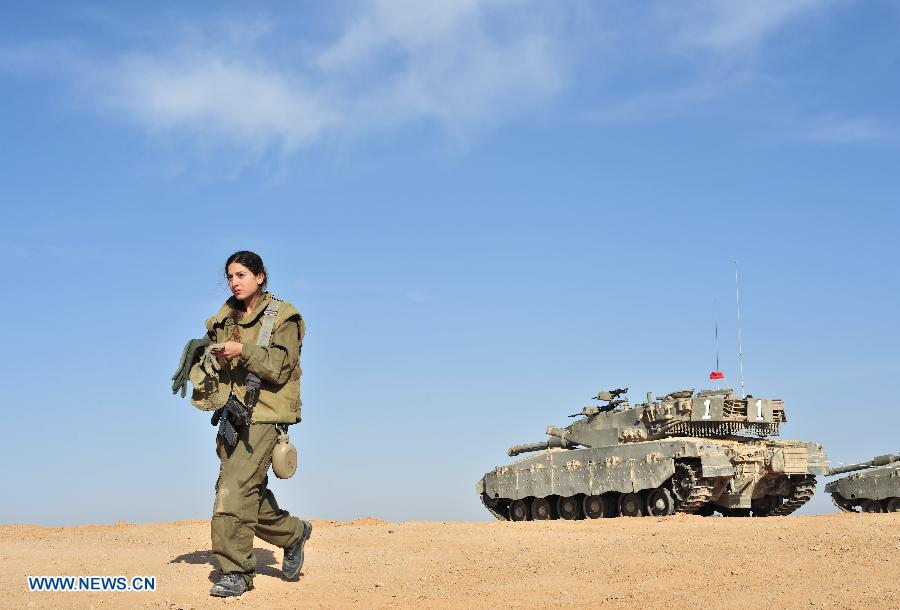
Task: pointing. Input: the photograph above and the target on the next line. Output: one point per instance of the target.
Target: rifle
(235, 413)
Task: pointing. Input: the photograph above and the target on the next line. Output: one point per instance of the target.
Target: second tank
(873, 488)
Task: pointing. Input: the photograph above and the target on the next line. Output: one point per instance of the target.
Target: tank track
(491, 504)
(800, 495)
(699, 494)
(842, 504)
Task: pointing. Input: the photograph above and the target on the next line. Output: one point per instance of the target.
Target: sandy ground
(839, 560)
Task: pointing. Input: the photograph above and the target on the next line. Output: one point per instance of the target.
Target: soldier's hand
(188, 355)
(231, 350)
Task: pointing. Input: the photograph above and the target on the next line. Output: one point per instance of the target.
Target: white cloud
(208, 93)
(664, 103)
(463, 66)
(702, 51)
(410, 25)
(842, 130)
(733, 25)
(452, 63)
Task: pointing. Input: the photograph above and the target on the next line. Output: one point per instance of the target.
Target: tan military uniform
(244, 505)
(278, 366)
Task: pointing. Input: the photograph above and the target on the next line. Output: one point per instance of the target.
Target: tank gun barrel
(539, 446)
(881, 460)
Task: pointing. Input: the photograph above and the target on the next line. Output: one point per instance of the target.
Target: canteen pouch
(284, 457)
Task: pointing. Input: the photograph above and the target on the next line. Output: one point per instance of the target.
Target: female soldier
(263, 374)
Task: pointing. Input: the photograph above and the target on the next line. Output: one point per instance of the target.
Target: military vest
(277, 403)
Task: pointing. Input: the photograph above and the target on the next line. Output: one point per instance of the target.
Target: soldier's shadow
(266, 563)
(197, 557)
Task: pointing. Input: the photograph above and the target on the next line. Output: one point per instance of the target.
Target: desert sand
(834, 561)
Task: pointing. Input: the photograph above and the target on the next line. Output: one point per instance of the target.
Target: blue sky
(486, 211)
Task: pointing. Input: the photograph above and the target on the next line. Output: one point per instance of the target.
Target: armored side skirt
(647, 465)
(876, 484)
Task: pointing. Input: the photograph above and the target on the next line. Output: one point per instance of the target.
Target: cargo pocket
(293, 390)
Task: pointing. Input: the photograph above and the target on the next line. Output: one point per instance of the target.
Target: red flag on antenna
(717, 375)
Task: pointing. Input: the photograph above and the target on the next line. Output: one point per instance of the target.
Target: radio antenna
(716, 313)
(737, 298)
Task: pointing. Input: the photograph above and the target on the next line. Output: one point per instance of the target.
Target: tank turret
(710, 413)
(881, 460)
(875, 488)
(681, 452)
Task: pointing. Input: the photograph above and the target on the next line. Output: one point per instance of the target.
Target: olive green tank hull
(875, 490)
(735, 476)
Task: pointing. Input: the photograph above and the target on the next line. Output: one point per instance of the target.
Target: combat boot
(232, 584)
(293, 555)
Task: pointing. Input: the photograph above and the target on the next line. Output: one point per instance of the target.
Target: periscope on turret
(683, 452)
(874, 486)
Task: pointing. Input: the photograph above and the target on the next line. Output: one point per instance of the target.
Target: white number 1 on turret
(706, 415)
(759, 414)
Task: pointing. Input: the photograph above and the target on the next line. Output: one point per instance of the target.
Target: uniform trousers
(245, 507)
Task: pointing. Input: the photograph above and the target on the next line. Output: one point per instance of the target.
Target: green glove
(188, 356)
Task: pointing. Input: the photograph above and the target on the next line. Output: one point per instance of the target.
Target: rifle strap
(252, 382)
(268, 322)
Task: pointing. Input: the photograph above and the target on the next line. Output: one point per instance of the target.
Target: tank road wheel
(540, 509)
(630, 505)
(518, 511)
(892, 505)
(871, 506)
(594, 507)
(568, 507)
(660, 502)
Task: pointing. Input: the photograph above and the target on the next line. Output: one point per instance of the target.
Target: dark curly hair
(254, 263)
(251, 261)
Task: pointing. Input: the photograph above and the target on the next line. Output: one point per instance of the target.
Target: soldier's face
(242, 282)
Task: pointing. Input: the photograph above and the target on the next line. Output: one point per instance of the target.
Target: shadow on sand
(266, 564)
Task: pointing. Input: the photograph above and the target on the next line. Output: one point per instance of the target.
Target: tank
(875, 488)
(704, 453)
